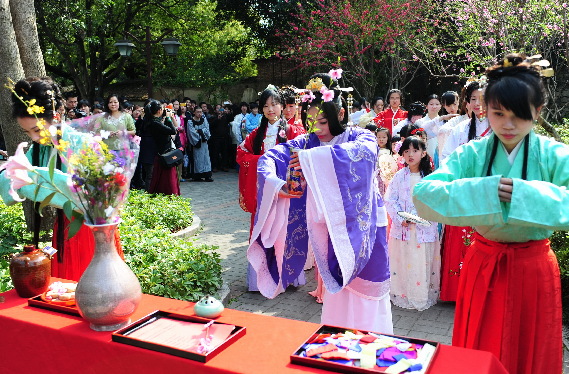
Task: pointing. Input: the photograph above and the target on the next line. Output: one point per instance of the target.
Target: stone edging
(190, 230)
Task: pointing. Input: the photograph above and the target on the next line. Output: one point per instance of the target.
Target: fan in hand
(414, 218)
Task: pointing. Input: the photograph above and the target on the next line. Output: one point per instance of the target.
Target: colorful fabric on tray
(368, 351)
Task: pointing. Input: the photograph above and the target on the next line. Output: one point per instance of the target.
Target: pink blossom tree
(363, 37)
(460, 38)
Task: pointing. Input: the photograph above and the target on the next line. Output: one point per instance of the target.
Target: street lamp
(125, 47)
(170, 45)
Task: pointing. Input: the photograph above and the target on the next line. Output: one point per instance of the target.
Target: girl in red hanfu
(511, 187)
(456, 239)
(272, 130)
(391, 116)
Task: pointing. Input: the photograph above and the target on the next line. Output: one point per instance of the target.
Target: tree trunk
(11, 67)
(24, 21)
(549, 128)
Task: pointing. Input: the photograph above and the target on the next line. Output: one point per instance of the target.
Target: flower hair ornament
(270, 87)
(482, 82)
(540, 64)
(318, 85)
(414, 131)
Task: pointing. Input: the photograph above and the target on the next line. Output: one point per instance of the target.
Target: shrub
(165, 266)
(151, 211)
(13, 230)
(171, 267)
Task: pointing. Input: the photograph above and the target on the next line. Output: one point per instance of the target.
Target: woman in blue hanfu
(340, 214)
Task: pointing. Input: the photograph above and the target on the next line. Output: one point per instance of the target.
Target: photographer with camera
(158, 123)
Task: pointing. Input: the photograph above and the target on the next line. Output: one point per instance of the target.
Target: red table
(37, 340)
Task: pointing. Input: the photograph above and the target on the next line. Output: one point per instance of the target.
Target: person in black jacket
(161, 128)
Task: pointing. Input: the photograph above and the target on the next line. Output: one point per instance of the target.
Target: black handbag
(172, 157)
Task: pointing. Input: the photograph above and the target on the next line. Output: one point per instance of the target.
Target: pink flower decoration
(308, 97)
(136, 140)
(282, 134)
(336, 73)
(327, 95)
(17, 168)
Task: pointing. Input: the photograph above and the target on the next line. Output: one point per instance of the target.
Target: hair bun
(513, 59)
(514, 64)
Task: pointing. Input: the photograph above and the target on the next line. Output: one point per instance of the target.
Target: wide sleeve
(343, 206)
(544, 204)
(431, 126)
(206, 129)
(392, 199)
(452, 141)
(247, 174)
(279, 239)
(295, 129)
(451, 196)
(193, 135)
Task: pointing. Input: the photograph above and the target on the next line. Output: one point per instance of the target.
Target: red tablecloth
(37, 340)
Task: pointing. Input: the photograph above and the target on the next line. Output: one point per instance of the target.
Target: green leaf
(68, 209)
(46, 202)
(75, 224)
(51, 166)
(37, 191)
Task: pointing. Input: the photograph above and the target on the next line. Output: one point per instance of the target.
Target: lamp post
(170, 45)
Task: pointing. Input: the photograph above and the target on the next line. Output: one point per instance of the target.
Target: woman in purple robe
(340, 214)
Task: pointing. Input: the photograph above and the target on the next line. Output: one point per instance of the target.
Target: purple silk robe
(341, 213)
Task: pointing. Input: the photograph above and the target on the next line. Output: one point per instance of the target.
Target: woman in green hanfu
(512, 188)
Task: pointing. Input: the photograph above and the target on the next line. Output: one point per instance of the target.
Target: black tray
(121, 336)
(338, 367)
(39, 303)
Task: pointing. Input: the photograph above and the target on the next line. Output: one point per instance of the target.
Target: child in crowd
(414, 250)
(511, 187)
(387, 163)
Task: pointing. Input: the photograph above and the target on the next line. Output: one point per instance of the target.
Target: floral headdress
(318, 85)
(538, 63)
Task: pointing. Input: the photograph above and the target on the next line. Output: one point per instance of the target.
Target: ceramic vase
(108, 292)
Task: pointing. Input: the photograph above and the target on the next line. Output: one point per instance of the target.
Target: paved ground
(227, 226)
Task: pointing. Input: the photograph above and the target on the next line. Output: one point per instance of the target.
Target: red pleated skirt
(453, 250)
(509, 303)
(77, 252)
(164, 180)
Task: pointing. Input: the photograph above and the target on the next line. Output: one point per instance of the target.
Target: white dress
(415, 268)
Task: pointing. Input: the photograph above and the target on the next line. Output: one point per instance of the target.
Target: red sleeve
(381, 122)
(295, 129)
(247, 174)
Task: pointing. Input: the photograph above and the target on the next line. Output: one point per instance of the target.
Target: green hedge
(165, 266)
